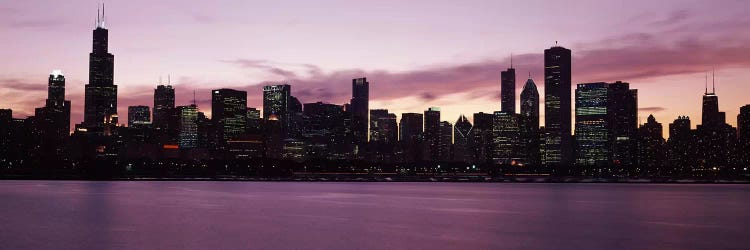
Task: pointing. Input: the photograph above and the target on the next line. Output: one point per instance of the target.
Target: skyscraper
(138, 116)
(51, 123)
(482, 135)
(410, 127)
(593, 126)
(623, 110)
(681, 144)
(276, 99)
(462, 146)
(652, 149)
(508, 90)
(446, 141)
(254, 121)
(529, 122)
(557, 122)
(360, 108)
(505, 138)
(432, 134)
(164, 107)
(743, 128)
(229, 111)
(188, 132)
(383, 127)
(101, 92)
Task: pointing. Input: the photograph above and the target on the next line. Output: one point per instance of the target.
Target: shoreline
(396, 178)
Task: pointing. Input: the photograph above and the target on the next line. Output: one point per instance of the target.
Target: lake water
(296, 215)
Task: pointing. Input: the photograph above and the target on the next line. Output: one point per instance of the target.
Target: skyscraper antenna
(555, 43)
(169, 80)
(529, 74)
(511, 60)
(706, 82)
(713, 80)
(194, 98)
(98, 15)
(104, 18)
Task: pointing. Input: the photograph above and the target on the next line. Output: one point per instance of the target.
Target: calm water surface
(282, 215)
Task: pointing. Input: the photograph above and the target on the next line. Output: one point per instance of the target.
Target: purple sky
(416, 54)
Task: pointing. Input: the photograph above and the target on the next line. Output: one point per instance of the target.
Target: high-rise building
(360, 108)
(623, 109)
(138, 116)
(188, 132)
(529, 122)
(743, 124)
(164, 107)
(294, 112)
(681, 145)
(276, 99)
(716, 138)
(712, 118)
(505, 138)
(254, 121)
(324, 129)
(743, 129)
(383, 127)
(557, 122)
(446, 141)
(462, 146)
(410, 127)
(432, 134)
(508, 90)
(593, 128)
(482, 137)
(652, 150)
(51, 123)
(229, 111)
(101, 92)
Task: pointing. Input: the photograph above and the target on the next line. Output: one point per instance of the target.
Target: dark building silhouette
(462, 146)
(410, 136)
(432, 134)
(325, 130)
(276, 99)
(139, 116)
(360, 109)
(652, 149)
(557, 85)
(254, 121)
(229, 113)
(505, 139)
(294, 112)
(50, 126)
(164, 107)
(482, 137)
(715, 138)
(623, 108)
(529, 122)
(383, 127)
(446, 141)
(508, 90)
(743, 129)
(682, 146)
(101, 92)
(6, 136)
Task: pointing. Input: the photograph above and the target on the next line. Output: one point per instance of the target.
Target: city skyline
(435, 85)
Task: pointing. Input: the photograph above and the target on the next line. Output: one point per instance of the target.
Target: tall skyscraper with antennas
(508, 89)
(557, 104)
(101, 92)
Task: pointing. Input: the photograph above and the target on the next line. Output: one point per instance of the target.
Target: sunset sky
(415, 54)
